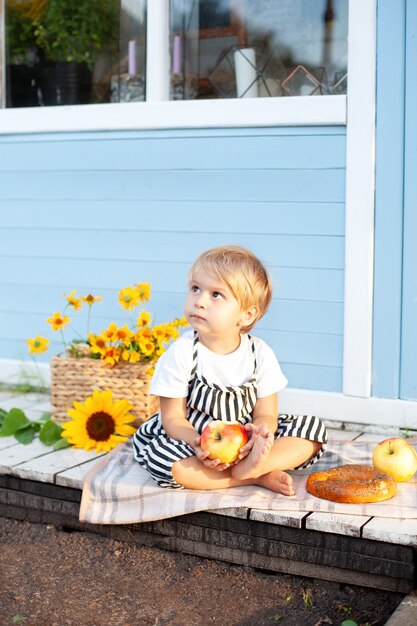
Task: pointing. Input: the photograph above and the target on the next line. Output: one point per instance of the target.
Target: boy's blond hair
(242, 272)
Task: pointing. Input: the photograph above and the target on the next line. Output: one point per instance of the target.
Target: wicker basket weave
(75, 379)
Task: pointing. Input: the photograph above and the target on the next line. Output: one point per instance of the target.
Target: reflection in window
(73, 51)
(258, 48)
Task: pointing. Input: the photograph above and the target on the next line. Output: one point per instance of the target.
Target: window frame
(158, 112)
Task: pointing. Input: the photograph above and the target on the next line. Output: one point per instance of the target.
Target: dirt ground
(49, 577)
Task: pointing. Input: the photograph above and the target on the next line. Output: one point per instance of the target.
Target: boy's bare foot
(277, 481)
(252, 465)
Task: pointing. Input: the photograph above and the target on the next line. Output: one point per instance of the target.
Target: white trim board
(327, 405)
(249, 112)
(360, 191)
(14, 372)
(354, 410)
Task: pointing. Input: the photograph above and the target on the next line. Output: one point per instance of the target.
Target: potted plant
(22, 65)
(67, 36)
(120, 358)
(71, 35)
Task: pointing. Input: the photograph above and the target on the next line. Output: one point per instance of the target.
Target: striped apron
(157, 452)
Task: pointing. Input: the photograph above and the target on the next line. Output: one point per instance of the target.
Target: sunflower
(99, 423)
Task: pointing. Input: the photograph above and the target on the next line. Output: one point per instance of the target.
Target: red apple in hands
(223, 440)
(396, 457)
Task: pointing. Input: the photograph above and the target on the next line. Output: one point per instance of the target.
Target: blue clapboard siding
(408, 386)
(99, 211)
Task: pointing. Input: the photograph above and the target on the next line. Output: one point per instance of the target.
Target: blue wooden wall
(395, 291)
(97, 212)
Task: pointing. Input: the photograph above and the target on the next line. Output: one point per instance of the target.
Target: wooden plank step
(46, 467)
(6, 442)
(295, 519)
(23, 401)
(337, 523)
(282, 549)
(309, 538)
(14, 455)
(47, 490)
(169, 534)
(397, 531)
(74, 476)
(337, 434)
(240, 511)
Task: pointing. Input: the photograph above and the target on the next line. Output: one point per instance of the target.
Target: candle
(132, 57)
(176, 57)
(246, 75)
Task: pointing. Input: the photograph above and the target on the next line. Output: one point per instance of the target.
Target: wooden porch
(41, 485)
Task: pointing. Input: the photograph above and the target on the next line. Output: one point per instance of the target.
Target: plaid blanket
(118, 491)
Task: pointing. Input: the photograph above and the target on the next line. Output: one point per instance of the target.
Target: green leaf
(349, 622)
(50, 433)
(13, 421)
(62, 443)
(37, 424)
(277, 617)
(3, 414)
(25, 435)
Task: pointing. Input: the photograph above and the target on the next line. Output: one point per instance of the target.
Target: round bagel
(352, 484)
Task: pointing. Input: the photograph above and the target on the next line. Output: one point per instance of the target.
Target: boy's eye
(194, 288)
(217, 295)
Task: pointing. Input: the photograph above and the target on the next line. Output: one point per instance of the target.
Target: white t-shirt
(172, 371)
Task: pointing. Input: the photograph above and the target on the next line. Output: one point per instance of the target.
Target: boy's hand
(203, 457)
(253, 432)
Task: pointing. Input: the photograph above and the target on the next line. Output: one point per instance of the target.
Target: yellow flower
(144, 290)
(91, 299)
(171, 331)
(58, 321)
(124, 335)
(181, 322)
(129, 298)
(110, 333)
(147, 346)
(73, 301)
(134, 357)
(159, 350)
(38, 344)
(111, 355)
(99, 422)
(159, 332)
(144, 319)
(98, 344)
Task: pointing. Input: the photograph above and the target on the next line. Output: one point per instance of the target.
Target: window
(258, 48)
(60, 52)
(226, 63)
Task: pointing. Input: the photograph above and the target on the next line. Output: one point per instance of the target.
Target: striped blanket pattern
(118, 491)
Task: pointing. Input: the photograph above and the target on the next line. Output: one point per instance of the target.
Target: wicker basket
(75, 379)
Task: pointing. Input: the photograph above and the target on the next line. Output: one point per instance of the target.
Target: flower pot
(22, 85)
(65, 83)
(75, 379)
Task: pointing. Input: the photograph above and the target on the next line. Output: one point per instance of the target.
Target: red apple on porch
(223, 440)
(396, 457)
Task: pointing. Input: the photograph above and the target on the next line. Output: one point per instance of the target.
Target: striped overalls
(157, 452)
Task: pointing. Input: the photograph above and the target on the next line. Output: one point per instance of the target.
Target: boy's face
(211, 308)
